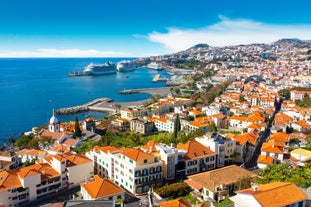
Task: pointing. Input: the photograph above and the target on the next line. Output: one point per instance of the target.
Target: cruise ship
(126, 65)
(154, 66)
(100, 69)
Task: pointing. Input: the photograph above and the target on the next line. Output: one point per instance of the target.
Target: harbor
(108, 105)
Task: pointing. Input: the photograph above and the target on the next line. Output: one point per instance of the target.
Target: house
(169, 155)
(214, 185)
(30, 154)
(273, 194)
(74, 168)
(8, 160)
(224, 147)
(101, 189)
(197, 158)
(272, 152)
(20, 186)
(164, 124)
(299, 95)
(180, 203)
(132, 112)
(245, 144)
(141, 126)
(200, 123)
(89, 124)
(301, 155)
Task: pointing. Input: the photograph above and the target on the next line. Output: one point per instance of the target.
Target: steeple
(54, 124)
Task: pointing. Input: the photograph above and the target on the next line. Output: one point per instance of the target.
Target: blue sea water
(31, 88)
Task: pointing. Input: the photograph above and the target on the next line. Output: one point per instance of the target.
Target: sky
(142, 28)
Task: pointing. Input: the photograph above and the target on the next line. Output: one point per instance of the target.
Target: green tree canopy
(22, 141)
(301, 176)
(78, 131)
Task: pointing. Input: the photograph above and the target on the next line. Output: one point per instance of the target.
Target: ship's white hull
(126, 66)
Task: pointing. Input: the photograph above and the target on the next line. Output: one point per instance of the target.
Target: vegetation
(304, 103)
(27, 163)
(23, 140)
(285, 93)
(301, 176)
(78, 131)
(177, 128)
(85, 146)
(173, 191)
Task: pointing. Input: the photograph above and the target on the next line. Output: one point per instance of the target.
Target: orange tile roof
(11, 179)
(303, 123)
(273, 147)
(101, 187)
(195, 112)
(136, 154)
(70, 142)
(175, 203)
(74, 159)
(53, 135)
(240, 118)
(195, 149)
(265, 159)
(254, 126)
(218, 116)
(193, 184)
(107, 149)
(226, 175)
(280, 137)
(276, 194)
(150, 144)
(241, 139)
(59, 148)
(32, 152)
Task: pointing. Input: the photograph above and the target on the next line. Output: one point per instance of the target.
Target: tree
(177, 128)
(22, 141)
(118, 107)
(34, 143)
(241, 98)
(213, 127)
(78, 131)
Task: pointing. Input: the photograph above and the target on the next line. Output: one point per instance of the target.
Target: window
(145, 161)
(131, 161)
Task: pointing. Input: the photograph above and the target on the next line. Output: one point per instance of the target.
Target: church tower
(54, 124)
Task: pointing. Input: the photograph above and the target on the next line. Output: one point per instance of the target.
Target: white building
(271, 194)
(74, 168)
(169, 155)
(101, 189)
(21, 186)
(197, 157)
(224, 147)
(132, 169)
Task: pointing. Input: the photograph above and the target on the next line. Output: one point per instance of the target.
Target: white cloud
(229, 32)
(49, 52)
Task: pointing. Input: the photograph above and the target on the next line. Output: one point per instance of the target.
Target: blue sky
(115, 28)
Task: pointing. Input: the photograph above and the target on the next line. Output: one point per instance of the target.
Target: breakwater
(108, 105)
(83, 108)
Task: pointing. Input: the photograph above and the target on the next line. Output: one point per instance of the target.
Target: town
(234, 129)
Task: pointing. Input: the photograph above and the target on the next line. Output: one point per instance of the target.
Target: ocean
(31, 88)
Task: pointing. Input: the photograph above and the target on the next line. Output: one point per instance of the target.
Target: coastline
(107, 105)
